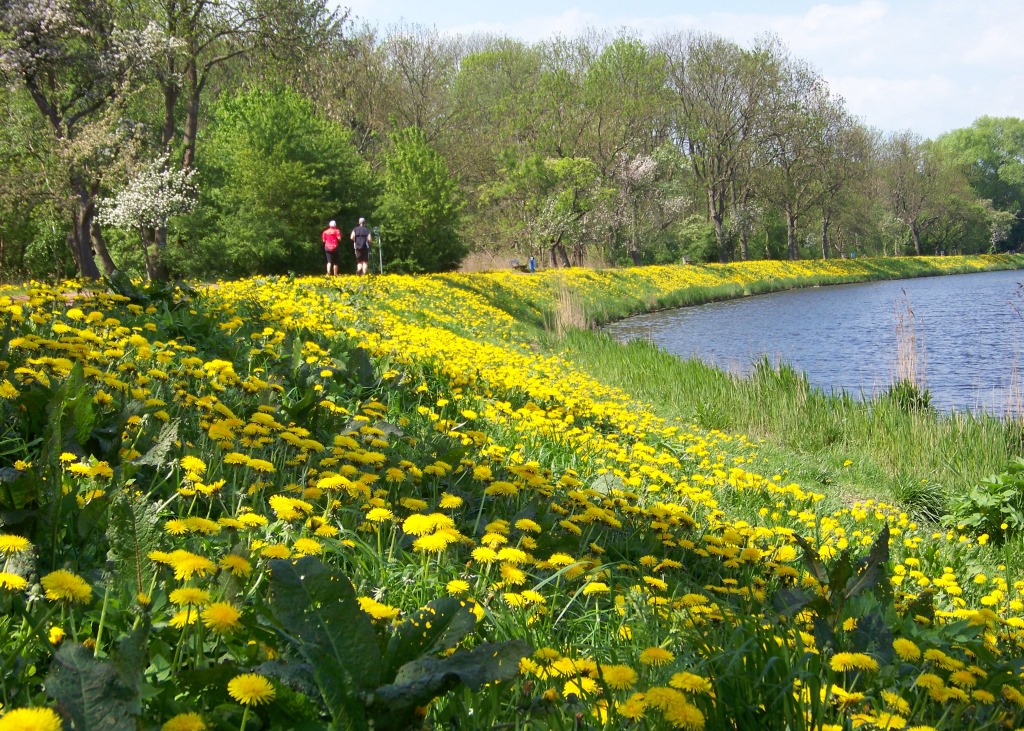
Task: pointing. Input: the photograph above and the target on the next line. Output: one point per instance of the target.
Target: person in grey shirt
(362, 237)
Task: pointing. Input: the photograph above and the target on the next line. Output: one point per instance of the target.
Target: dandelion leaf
(97, 695)
(315, 608)
(439, 626)
(157, 455)
(418, 682)
(132, 533)
(871, 573)
(17, 489)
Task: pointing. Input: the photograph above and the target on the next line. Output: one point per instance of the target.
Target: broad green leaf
(94, 694)
(439, 626)
(393, 706)
(315, 607)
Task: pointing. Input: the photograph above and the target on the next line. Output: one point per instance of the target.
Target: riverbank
(282, 472)
(556, 298)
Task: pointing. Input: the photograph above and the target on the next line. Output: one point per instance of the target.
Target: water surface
(969, 329)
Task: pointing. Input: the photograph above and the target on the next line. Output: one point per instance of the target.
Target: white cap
(334, 223)
(362, 221)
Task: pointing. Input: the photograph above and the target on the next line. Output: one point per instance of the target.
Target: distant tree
(274, 174)
(992, 153)
(719, 95)
(804, 124)
(925, 188)
(420, 208)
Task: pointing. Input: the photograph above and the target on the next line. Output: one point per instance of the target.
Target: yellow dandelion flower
(691, 683)
(30, 719)
(12, 582)
(619, 677)
(525, 524)
(656, 656)
(262, 465)
(251, 689)
(634, 707)
(186, 565)
(457, 587)
(906, 649)
(189, 595)
(61, 585)
(450, 502)
(843, 661)
(483, 554)
(433, 543)
(277, 550)
(193, 465)
(377, 610)
(10, 544)
(929, 681)
(237, 565)
(185, 722)
(595, 587)
(187, 616)
(307, 547)
(221, 617)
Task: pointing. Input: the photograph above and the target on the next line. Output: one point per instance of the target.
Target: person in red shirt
(331, 237)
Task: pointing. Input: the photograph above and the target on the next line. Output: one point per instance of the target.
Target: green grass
(910, 456)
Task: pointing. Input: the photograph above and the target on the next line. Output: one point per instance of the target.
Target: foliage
(295, 503)
(994, 507)
(151, 197)
(371, 680)
(419, 208)
(276, 172)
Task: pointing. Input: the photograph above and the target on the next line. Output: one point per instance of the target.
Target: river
(968, 329)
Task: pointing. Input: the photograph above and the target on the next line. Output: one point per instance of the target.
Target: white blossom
(151, 197)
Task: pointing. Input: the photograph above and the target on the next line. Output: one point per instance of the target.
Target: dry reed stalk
(910, 352)
(569, 311)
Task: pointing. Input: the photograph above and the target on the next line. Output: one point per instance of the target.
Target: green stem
(245, 717)
(103, 617)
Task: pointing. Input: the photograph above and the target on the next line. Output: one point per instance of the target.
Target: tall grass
(913, 455)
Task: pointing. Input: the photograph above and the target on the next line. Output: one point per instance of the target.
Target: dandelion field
(378, 503)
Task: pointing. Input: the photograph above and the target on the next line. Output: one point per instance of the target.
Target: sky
(925, 66)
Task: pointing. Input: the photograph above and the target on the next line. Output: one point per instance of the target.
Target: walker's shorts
(333, 257)
(363, 255)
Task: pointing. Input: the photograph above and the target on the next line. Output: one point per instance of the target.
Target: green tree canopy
(274, 174)
(420, 208)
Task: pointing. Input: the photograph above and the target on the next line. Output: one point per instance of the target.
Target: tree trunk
(916, 235)
(791, 234)
(80, 238)
(558, 254)
(824, 237)
(100, 247)
(716, 216)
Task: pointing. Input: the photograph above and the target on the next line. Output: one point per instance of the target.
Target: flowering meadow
(378, 503)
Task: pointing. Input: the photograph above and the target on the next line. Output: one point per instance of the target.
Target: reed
(886, 440)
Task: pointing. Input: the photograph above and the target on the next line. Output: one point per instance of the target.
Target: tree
(419, 208)
(919, 184)
(78, 61)
(804, 124)
(719, 92)
(992, 153)
(205, 35)
(275, 172)
(154, 194)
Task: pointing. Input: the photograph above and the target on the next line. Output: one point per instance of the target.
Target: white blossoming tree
(155, 194)
(77, 61)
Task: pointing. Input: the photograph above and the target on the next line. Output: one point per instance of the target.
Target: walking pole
(380, 250)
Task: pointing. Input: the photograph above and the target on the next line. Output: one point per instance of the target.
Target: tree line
(206, 138)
